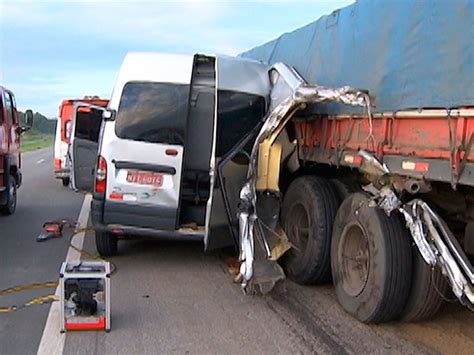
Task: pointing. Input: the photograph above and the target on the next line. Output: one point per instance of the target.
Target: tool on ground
(85, 295)
(54, 229)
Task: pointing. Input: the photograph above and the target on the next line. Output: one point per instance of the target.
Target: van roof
(156, 67)
(234, 73)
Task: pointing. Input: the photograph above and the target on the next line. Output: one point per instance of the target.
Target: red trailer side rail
(432, 143)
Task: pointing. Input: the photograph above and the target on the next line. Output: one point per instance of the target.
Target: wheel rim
(298, 227)
(355, 256)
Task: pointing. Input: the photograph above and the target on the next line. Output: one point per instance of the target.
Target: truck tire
(65, 181)
(106, 243)
(308, 213)
(345, 187)
(371, 260)
(429, 289)
(10, 206)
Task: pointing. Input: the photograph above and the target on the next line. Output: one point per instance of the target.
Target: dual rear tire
(308, 212)
(371, 261)
(377, 273)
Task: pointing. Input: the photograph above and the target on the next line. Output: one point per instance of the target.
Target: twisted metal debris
(432, 236)
(290, 93)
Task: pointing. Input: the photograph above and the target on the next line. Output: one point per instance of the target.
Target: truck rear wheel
(65, 181)
(345, 187)
(106, 243)
(308, 212)
(10, 204)
(428, 291)
(371, 260)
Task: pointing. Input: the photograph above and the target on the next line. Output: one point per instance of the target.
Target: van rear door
(144, 153)
(82, 153)
(158, 168)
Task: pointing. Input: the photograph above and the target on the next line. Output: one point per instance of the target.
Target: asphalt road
(174, 298)
(41, 198)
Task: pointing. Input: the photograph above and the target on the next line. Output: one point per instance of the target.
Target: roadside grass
(35, 140)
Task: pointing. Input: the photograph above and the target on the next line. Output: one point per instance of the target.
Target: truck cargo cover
(408, 54)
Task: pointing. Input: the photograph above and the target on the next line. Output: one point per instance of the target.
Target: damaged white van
(171, 123)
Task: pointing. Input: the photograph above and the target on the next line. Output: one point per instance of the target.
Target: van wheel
(65, 181)
(371, 260)
(106, 243)
(308, 212)
(10, 206)
(429, 289)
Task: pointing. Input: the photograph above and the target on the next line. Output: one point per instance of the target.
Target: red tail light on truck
(101, 175)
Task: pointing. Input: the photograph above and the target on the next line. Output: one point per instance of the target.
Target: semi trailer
(378, 200)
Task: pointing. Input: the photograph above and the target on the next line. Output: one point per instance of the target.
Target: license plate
(145, 178)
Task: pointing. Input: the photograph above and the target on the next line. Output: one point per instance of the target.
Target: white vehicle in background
(63, 134)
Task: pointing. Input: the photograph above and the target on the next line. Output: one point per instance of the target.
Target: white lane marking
(52, 341)
(40, 161)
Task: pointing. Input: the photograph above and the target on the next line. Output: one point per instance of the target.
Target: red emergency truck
(63, 134)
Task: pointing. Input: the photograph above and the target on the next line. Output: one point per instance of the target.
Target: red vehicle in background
(63, 134)
(10, 158)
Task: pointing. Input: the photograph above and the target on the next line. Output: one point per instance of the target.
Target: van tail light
(57, 164)
(101, 175)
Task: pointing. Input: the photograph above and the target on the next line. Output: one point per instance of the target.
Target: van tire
(65, 181)
(106, 243)
(11, 197)
(371, 261)
(310, 204)
(429, 289)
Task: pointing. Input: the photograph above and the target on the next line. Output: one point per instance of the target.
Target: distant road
(22, 260)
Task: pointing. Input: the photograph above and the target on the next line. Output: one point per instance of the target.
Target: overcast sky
(50, 50)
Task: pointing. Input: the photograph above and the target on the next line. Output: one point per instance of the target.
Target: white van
(171, 123)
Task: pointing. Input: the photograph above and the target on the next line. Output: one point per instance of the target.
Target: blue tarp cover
(408, 54)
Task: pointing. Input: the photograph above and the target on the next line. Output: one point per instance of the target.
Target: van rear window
(153, 112)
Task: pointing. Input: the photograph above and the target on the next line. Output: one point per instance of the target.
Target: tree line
(41, 124)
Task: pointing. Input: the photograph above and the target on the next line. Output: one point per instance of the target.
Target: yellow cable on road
(32, 286)
(34, 301)
(49, 284)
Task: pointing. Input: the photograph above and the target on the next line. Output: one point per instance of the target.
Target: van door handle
(164, 169)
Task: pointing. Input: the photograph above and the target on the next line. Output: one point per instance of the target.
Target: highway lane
(173, 298)
(22, 260)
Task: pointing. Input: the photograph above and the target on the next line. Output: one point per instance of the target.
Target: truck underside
(348, 193)
(427, 161)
